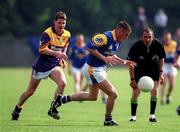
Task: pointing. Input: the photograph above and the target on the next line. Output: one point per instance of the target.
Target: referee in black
(149, 55)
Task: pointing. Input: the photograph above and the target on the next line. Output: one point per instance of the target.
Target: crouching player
(149, 55)
(102, 48)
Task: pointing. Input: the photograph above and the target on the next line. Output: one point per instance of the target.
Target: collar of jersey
(114, 35)
(54, 31)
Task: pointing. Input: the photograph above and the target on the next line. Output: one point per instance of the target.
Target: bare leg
(103, 96)
(154, 90)
(83, 96)
(29, 91)
(163, 90)
(135, 94)
(33, 83)
(58, 76)
(108, 88)
(172, 80)
(77, 82)
(92, 95)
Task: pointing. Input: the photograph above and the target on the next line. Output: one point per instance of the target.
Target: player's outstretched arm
(108, 59)
(120, 61)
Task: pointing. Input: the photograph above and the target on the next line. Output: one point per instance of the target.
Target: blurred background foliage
(22, 18)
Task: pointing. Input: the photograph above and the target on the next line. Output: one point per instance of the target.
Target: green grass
(80, 117)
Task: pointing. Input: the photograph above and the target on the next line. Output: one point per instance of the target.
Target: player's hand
(131, 63)
(61, 56)
(62, 63)
(110, 60)
(161, 79)
(133, 84)
(177, 65)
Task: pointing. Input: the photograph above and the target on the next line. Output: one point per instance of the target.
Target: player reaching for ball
(102, 49)
(149, 55)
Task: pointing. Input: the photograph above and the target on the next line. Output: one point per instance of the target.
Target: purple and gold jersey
(170, 50)
(106, 44)
(50, 40)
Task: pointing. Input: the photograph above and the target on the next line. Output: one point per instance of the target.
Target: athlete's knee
(113, 95)
(62, 84)
(136, 93)
(93, 97)
(154, 92)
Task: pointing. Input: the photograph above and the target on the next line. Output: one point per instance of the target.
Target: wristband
(161, 71)
(132, 79)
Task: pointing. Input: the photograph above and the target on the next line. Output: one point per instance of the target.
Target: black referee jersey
(147, 59)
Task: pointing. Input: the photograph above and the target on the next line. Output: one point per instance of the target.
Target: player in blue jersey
(102, 49)
(52, 48)
(77, 55)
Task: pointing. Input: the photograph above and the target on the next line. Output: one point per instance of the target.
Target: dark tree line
(29, 17)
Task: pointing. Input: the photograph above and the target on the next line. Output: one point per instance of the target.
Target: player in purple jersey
(102, 49)
(52, 48)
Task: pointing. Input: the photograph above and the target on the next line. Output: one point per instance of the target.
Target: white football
(145, 84)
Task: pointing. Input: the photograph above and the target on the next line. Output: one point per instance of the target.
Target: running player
(102, 49)
(77, 55)
(149, 55)
(169, 68)
(52, 48)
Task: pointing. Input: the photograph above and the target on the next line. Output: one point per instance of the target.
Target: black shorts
(154, 75)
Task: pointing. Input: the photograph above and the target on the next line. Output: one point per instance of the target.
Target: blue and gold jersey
(106, 44)
(50, 40)
(170, 50)
(77, 56)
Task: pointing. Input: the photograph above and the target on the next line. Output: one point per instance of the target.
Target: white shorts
(169, 69)
(76, 71)
(41, 75)
(94, 75)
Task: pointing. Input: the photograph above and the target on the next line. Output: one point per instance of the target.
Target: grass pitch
(76, 116)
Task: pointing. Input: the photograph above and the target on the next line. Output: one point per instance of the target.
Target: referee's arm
(161, 71)
(161, 65)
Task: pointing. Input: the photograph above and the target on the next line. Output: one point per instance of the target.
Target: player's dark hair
(125, 25)
(60, 15)
(147, 29)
